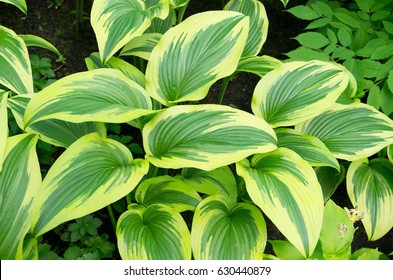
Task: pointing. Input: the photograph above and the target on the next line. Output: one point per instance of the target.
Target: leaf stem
(112, 216)
(223, 89)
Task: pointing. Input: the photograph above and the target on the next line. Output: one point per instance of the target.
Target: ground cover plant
(203, 176)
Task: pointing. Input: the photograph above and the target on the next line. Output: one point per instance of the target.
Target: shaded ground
(57, 25)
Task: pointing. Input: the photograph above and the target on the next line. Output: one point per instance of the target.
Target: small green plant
(357, 34)
(43, 74)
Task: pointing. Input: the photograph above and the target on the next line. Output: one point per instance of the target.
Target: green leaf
(258, 27)
(382, 52)
(116, 22)
(370, 188)
(259, 65)
(387, 100)
(190, 57)
(157, 232)
(329, 179)
(380, 15)
(20, 179)
(304, 12)
(344, 37)
(226, 231)
(99, 95)
(284, 250)
(286, 188)
(297, 91)
(204, 136)
(368, 254)
(218, 181)
(337, 233)
(388, 26)
(365, 5)
(92, 173)
(3, 124)
(36, 41)
(55, 132)
(313, 40)
(15, 70)
(20, 4)
(304, 54)
(142, 45)
(308, 147)
(178, 3)
(390, 80)
(348, 19)
(374, 97)
(94, 62)
(390, 153)
(351, 132)
(168, 191)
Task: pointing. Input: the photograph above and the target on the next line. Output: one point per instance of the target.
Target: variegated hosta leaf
(3, 124)
(337, 233)
(204, 136)
(20, 180)
(15, 70)
(20, 4)
(349, 95)
(116, 22)
(258, 23)
(351, 132)
(92, 173)
(141, 46)
(297, 91)
(55, 132)
(162, 25)
(225, 231)
(308, 147)
(30, 248)
(286, 188)
(329, 179)
(178, 3)
(259, 65)
(157, 232)
(36, 41)
(193, 55)
(169, 191)
(103, 95)
(218, 181)
(370, 188)
(94, 62)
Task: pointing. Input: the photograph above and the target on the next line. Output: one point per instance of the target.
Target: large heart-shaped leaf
(204, 136)
(169, 191)
(104, 95)
(190, 57)
(116, 22)
(370, 188)
(351, 132)
(225, 231)
(297, 91)
(92, 173)
(218, 181)
(308, 147)
(20, 180)
(15, 70)
(286, 188)
(258, 23)
(56, 132)
(157, 232)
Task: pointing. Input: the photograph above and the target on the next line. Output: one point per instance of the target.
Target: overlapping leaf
(3, 124)
(297, 91)
(370, 188)
(167, 190)
(20, 180)
(258, 23)
(116, 22)
(157, 232)
(351, 132)
(36, 41)
(190, 57)
(226, 231)
(21, 4)
(218, 181)
(104, 95)
(286, 188)
(308, 147)
(329, 179)
(141, 46)
(259, 65)
(204, 136)
(92, 173)
(15, 70)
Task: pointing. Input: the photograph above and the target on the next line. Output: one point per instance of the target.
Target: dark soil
(57, 25)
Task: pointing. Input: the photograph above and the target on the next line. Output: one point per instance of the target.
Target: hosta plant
(217, 165)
